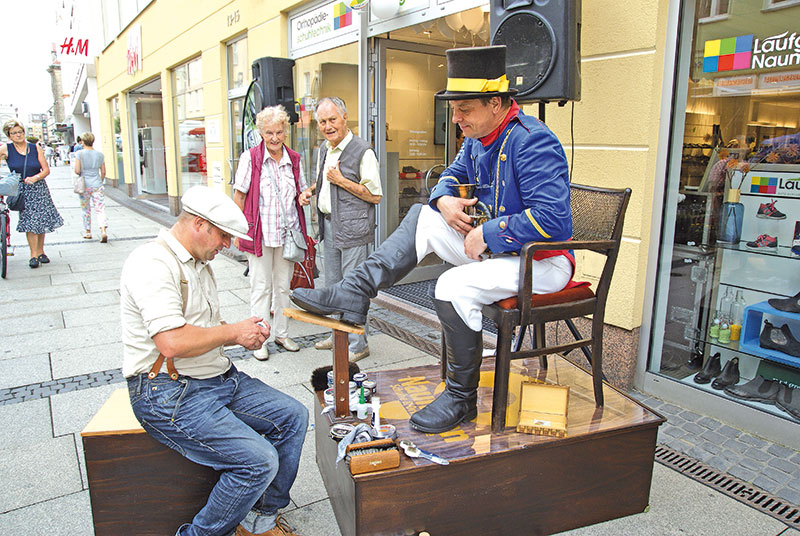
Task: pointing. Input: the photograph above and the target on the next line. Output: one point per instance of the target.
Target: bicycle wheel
(3, 244)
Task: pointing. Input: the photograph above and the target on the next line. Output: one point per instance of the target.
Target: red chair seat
(554, 298)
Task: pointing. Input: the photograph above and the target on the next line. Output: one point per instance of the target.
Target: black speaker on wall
(543, 40)
(274, 77)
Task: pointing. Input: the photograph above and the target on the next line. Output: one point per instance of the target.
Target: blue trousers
(235, 424)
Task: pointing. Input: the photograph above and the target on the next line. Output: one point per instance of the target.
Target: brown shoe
(281, 528)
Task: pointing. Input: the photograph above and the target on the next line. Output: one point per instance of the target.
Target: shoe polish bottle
(737, 313)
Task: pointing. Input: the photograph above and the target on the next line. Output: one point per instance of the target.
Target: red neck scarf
(512, 113)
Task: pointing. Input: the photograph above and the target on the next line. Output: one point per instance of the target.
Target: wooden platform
(507, 483)
(136, 484)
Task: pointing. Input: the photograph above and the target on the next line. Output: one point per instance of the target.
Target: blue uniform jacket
(522, 177)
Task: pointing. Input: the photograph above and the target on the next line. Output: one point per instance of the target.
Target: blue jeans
(235, 424)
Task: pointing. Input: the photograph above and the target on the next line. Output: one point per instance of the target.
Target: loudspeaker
(274, 77)
(543, 40)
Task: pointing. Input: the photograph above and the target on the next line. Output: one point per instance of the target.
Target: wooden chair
(597, 218)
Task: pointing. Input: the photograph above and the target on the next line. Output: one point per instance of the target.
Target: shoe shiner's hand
(452, 210)
(251, 333)
(474, 244)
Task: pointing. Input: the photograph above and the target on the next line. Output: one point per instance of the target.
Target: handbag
(294, 243)
(78, 184)
(303, 276)
(17, 202)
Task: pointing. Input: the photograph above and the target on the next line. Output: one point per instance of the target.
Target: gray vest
(352, 219)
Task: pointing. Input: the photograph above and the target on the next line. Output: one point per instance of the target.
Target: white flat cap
(217, 208)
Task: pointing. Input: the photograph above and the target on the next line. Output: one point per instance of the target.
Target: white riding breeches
(470, 284)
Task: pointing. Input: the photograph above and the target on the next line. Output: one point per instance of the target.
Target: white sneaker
(262, 354)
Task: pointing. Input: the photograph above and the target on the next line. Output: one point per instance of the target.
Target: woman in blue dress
(40, 215)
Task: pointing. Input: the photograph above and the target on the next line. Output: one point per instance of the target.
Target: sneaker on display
(768, 210)
(765, 243)
(796, 239)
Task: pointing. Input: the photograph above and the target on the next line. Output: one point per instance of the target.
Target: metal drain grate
(731, 486)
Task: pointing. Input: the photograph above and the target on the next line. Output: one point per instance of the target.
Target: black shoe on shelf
(696, 361)
(756, 390)
(789, 401)
(787, 305)
(729, 376)
(781, 339)
(711, 369)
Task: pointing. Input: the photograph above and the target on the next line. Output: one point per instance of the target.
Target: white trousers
(270, 273)
(472, 284)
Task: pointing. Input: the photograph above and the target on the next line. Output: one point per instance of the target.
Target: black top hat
(476, 72)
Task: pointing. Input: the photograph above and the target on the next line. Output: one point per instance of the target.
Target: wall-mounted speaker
(274, 77)
(543, 41)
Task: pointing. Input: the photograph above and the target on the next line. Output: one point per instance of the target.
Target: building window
(188, 84)
(239, 76)
(117, 132)
(711, 10)
(779, 4)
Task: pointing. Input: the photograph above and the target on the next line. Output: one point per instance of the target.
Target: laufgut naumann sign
(750, 52)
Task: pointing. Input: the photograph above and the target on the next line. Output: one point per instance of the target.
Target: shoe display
(781, 339)
(262, 354)
(788, 400)
(729, 375)
(711, 369)
(358, 356)
(325, 344)
(764, 242)
(34, 262)
(796, 239)
(43, 259)
(756, 390)
(288, 344)
(768, 211)
(696, 361)
(788, 305)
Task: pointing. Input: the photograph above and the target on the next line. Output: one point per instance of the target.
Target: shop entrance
(413, 134)
(148, 151)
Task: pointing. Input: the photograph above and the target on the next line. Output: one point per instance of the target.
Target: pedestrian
(203, 406)
(523, 187)
(78, 145)
(49, 155)
(40, 215)
(90, 164)
(348, 187)
(266, 186)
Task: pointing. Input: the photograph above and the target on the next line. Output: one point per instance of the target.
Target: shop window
(731, 234)
(239, 76)
(188, 83)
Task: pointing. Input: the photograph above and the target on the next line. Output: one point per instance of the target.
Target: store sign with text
(73, 48)
(777, 184)
(323, 23)
(751, 52)
(134, 51)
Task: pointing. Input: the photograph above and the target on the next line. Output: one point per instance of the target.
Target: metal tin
(359, 378)
(339, 430)
(370, 385)
(386, 431)
(328, 396)
(330, 378)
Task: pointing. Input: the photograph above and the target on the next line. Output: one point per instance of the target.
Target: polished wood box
(136, 484)
(543, 409)
(508, 483)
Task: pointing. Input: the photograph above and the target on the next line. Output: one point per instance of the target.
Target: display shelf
(780, 251)
(766, 408)
(751, 329)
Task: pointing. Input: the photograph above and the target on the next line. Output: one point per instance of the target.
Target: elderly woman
(40, 215)
(267, 183)
(90, 164)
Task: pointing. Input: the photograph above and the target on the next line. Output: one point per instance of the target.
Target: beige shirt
(368, 170)
(150, 303)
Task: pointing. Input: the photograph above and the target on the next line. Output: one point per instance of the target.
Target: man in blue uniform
(522, 183)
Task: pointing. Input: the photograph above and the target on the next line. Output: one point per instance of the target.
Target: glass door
(413, 135)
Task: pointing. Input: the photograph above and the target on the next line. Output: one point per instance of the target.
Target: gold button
(503, 157)
(502, 208)
(502, 225)
(508, 240)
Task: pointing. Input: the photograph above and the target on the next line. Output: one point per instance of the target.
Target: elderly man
(521, 178)
(202, 406)
(348, 187)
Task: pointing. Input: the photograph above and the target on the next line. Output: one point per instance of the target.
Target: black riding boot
(458, 402)
(391, 262)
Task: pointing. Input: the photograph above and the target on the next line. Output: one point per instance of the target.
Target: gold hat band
(477, 85)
